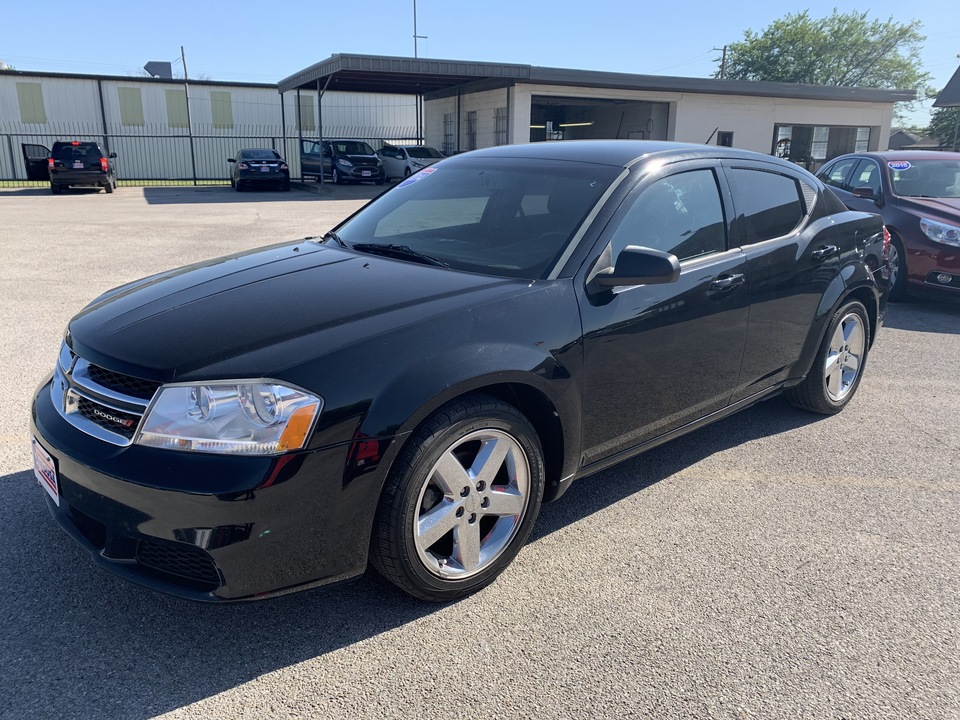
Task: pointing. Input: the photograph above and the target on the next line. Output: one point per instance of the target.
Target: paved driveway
(774, 565)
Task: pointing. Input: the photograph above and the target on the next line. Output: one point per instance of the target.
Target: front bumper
(207, 527)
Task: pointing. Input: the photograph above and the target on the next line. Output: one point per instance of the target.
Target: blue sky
(242, 40)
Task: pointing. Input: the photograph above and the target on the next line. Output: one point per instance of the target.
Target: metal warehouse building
(167, 129)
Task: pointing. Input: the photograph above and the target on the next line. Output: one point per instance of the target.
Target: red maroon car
(918, 195)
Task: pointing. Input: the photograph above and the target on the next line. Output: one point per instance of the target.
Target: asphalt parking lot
(774, 565)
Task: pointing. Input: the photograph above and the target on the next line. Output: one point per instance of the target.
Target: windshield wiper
(402, 252)
(336, 238)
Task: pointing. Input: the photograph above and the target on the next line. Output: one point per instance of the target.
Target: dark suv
(80, 163)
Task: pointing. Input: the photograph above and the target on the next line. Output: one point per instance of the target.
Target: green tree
(944, 124)
(843, 49)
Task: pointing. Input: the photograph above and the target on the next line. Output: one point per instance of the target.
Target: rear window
(260, 155)
(69, 151)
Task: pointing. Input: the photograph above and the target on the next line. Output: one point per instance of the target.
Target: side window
(769, 204)
(836, 175)
(680, 214)
(867, 174)
(311, 148)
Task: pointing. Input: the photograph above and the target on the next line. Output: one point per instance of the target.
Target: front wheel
(335, 176)
(839, 364)
(460, 501)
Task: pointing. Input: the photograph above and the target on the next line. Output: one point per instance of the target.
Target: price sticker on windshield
(417, 177)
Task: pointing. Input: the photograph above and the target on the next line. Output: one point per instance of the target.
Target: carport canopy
(399, 75)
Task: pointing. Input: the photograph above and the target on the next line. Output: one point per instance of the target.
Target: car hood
(175, 324)
(949, 207)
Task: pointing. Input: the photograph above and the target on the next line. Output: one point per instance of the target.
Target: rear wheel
(55, 189)
(109, 186)
(285, 187)
(460, 501)
(838, 367)
(238, 186)
(897, 262)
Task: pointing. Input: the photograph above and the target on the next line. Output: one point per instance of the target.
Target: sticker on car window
(417, 177)
(898, 165)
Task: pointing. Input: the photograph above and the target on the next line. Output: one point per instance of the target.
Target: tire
(233, 184)
(238, 186)
(381, 181)
(109, 187)
(406, 173)
(898, 279)
(335, 176)
(441, 534)
(835, 376)
(55, 189)
(285, 187)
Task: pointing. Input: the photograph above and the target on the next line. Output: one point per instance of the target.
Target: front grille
(103, 403)
(185, 562)
(125, 384)
(119, 422)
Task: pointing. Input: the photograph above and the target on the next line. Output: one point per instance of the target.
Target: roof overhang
(443, 78)
(398, 75)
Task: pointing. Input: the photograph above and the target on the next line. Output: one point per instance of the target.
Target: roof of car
(891, 155)
(612, 152)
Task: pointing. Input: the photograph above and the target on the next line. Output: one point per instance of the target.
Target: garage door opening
(570, 118)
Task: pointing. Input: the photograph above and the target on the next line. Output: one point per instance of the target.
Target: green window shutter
(131, 106)
(177, 109)
(222, 109)
(308, 120)
(30, 98)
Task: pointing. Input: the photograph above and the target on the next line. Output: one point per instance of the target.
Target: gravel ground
(774, 565)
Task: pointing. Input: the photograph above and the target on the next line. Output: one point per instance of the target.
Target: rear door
(791, 260)
(35, 161)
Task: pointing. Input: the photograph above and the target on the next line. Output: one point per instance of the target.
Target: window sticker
(898, 165)
(417, 177)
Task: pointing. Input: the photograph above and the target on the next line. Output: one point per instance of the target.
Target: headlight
(231, 417)
(379, 162)
(345, 163)
(417, 165)
(940, 232)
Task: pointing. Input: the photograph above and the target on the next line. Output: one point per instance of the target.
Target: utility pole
(723, 62)
(415, 36)
(186, 96)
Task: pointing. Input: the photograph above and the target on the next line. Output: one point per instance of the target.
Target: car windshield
(352, 147)
(260, 155)
(938, 178)
(424, 152)
(507, 217)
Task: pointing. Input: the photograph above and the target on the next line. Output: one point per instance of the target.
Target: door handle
(824, 252)
(726, 282)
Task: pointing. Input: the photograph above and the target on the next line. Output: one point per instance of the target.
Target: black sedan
(918, 195)
(409, 389)
(258, 166)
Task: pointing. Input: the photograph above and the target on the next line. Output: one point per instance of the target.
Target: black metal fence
(160, 156)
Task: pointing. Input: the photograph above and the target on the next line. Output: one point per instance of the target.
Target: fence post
(193, 156)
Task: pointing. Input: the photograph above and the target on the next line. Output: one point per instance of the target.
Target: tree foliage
(843, 49)
(943, 126)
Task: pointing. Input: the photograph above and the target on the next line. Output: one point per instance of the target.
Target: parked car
(258, 166)
(80, 163)
(918, 195)
(342, 161)
(410, 388)
(400, 161)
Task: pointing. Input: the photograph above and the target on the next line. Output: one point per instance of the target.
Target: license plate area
(45, 471)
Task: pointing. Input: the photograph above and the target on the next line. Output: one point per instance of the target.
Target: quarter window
(681, 214)
(769, 205)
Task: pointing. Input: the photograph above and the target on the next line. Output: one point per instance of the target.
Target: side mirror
(640, 266)
(112, 155)
(864, 192)
(230, 160)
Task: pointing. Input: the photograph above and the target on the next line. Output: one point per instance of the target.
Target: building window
(863, 140)
(821, 135)
(221, 108)
(725, 138)
(500, 128)
(448, 124)
(308, 118)
(472, 130)
(30, 98)
(131, 106)
(177, 109)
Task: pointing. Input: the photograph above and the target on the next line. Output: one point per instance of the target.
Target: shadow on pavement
(925, 314)
(80, 642)
(300, 192)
